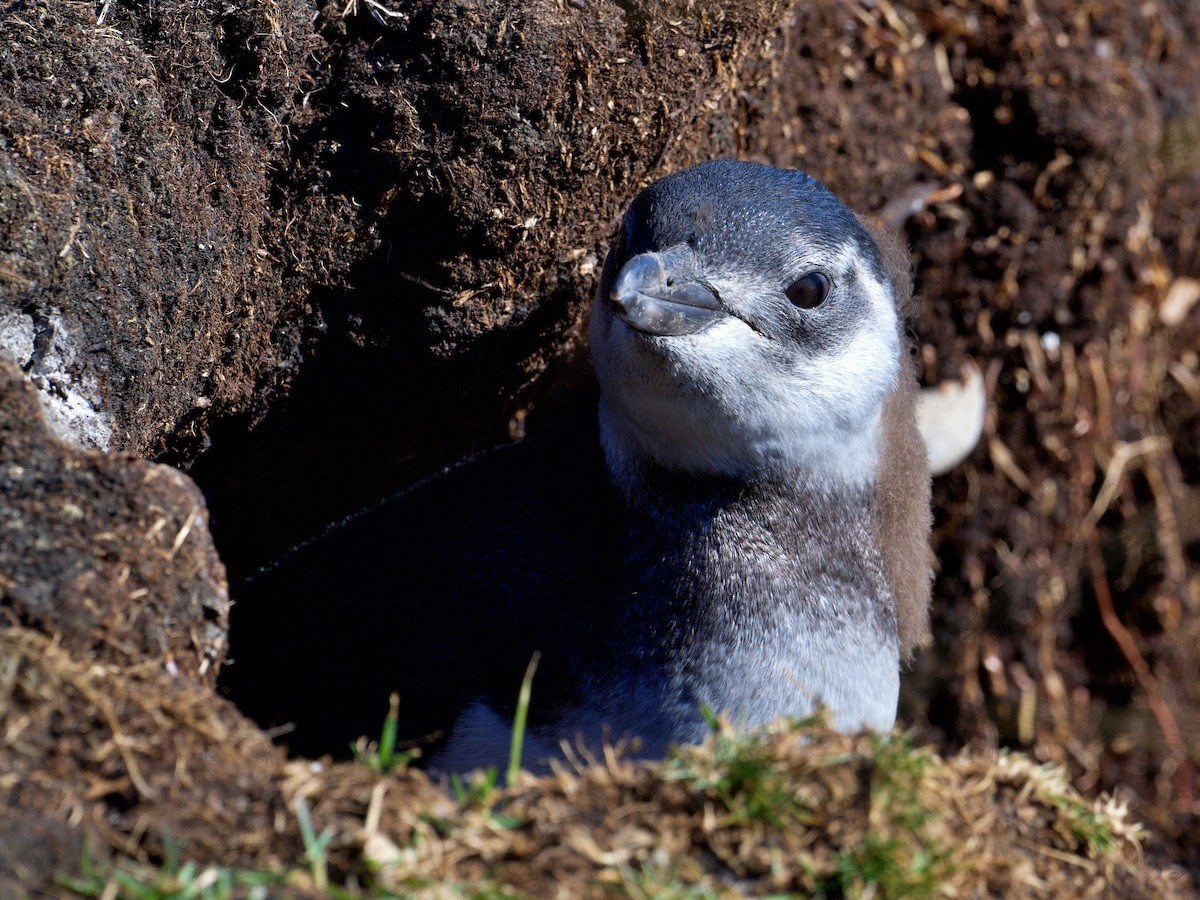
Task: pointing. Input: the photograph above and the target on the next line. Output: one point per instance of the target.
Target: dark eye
(809, 290)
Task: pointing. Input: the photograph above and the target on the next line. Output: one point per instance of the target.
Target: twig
(81, 682)
(1169, 537)
(1133, 655)
(184, 531)
(1103, 395)
(1124, 454)
(377, 8)
(378, 11)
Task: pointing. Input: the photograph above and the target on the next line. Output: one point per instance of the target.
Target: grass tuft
(172, 880)
(315, 846)
(382, 756)
(740, 768)
(1097, 827)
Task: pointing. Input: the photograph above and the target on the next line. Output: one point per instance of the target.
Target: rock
(106, 552)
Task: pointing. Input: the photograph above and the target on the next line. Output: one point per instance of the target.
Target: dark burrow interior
(336, 446)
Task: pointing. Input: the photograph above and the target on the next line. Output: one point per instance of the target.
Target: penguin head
(744, 326)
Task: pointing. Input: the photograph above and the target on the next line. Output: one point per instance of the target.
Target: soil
(108, 553)
(136, 213)
(340, 247)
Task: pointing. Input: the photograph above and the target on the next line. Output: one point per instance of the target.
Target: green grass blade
(518, 734)
(387, 738)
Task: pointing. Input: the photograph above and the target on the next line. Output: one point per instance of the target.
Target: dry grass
(176, 790)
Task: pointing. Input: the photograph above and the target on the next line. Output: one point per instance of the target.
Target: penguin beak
(649, 298)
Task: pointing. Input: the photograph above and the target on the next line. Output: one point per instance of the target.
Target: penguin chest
(774, 613)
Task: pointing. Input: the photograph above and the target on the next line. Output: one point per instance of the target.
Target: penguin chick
(756, 414)
(743, 526)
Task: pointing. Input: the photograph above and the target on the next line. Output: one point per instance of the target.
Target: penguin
(741, 526)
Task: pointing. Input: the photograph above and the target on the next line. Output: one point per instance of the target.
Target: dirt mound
(108, 553)
(152, 766)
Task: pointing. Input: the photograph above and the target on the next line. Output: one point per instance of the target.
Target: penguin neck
(840, 455)
(740, 529)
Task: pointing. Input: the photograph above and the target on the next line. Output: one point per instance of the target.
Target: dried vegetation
(798, 809)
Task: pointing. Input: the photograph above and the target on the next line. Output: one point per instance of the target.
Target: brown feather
(902, 486)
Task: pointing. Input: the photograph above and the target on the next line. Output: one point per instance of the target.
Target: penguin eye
(809, 291)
